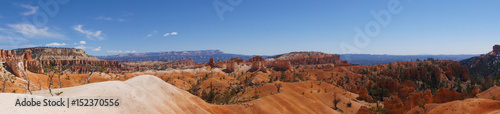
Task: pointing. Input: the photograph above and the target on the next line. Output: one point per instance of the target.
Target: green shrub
(255, 96)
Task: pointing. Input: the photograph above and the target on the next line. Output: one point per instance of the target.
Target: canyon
(295, 82)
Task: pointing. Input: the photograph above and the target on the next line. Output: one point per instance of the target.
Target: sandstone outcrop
(18, 65)
(256, 58)
(237, 60)
(155, 65)
(71, 59)
(418, 98)
(364, 110)
(445, 95)
(186, 62)
(88, 65)
(231, 66)
(211, 63)
(258, 66)
(308, 58)
(49, 53)
(280, 65)
(394, 105)
(363, 94)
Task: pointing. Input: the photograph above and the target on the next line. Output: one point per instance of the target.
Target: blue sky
(253, 27)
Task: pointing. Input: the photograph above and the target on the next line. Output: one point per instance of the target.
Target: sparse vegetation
(10, 79)
(278, 86)
(336, 101)
(376, 81)
(59, 93)
(422, 105)
(378, 109)
(255, 96)
(52, 72)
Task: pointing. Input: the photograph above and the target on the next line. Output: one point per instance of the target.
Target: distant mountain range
(368, 59)
(203, 56)
(200, 56)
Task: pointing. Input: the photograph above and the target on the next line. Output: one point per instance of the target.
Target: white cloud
(55, 44)
(19, 46)
(29, 30)
(114, 51)
(27, 46)
(104, 18)
(110, 19)
(12, 40)
(83, 42)
(90, 34)
(81, 47)
(97, 49)
(120, 19)
(173, 33)
(154, 32)
(32, 9)
(120, 51)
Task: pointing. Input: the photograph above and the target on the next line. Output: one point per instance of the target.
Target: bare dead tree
(4, 80)
(100, 70)
(52, 71)
(60, 81)
(39, 84)
(51, 76)
(278, 86)
(88, 77)
(27, 80)
(335, 101)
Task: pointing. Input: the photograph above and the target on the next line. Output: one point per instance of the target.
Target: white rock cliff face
(75, 60)
(45, 53)
(17, 67)
(15, 64)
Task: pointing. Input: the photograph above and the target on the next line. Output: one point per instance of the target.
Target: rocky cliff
(159, 65)
(49, 53)
(18, 65)
(308, 58)
(200, 56)
(486, 65)
(75, 60)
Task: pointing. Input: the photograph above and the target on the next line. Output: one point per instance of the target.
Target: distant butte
(496, 48)
(496, 51)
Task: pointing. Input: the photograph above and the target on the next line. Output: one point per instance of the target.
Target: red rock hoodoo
(256, 58)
